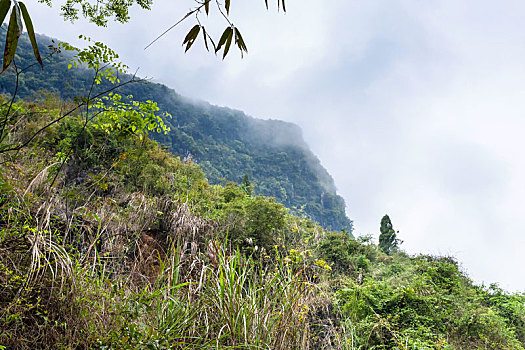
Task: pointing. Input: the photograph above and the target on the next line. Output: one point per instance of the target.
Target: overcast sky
(416, 108)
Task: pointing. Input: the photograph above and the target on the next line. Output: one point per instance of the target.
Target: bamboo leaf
(16, 9)
(191, 36)
(11, 41)
(207, 7)
(4, 9)
(31, 33)
(223, 38)
(191, 33)
(240, 41)
(266, 2)
(227, 5)
(212, 42)
(205, 38)
(228, 43)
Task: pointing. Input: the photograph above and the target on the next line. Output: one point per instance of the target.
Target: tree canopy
(388, 241)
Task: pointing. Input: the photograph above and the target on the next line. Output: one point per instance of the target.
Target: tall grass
(229, 302)
(253, 305)
(59, 294)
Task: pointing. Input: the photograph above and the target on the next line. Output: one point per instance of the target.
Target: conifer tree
(246, 185)
(388, 241)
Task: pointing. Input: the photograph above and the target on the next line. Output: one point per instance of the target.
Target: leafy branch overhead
(230, 34)
(99, 12)
(14, 30)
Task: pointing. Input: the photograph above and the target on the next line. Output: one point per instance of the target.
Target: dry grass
(83, 268)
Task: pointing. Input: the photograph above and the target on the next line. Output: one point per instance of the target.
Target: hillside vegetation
(109, 241)
(227, 144)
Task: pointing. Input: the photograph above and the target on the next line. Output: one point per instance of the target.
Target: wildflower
(321, 263)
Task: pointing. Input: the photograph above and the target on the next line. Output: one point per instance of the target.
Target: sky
(416, 108)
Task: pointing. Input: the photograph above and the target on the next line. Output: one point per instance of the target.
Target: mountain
(108, 241)
(226, 143)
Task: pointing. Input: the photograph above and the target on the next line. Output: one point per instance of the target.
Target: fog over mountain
(226, 143)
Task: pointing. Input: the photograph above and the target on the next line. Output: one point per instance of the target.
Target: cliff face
(228, 145)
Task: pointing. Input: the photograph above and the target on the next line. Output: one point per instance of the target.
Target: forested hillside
(107, 241)
(226, 143)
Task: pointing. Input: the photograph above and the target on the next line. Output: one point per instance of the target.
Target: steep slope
(227, 144)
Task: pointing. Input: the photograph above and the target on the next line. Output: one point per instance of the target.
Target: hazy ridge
(227, 143)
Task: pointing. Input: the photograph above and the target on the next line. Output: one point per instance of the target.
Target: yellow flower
(323, 264)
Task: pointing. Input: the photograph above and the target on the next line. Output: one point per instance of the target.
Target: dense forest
(110, 241)
(226, 143)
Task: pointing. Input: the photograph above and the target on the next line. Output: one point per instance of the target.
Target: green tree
(388, 241)
(246, 185)
(264, 218)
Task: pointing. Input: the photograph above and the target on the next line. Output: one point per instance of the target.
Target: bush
(343, 252)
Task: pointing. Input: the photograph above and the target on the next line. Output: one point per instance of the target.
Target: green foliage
(108, 241)
(509, 306)
(423, 303)
(388, 241)
(14, 30)
(227, 144)
(133, 248)
(246, 185)
(264, 218)
(97, 57)
(252, 222)
(99, 13)
(343, 252)
(138, 118)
